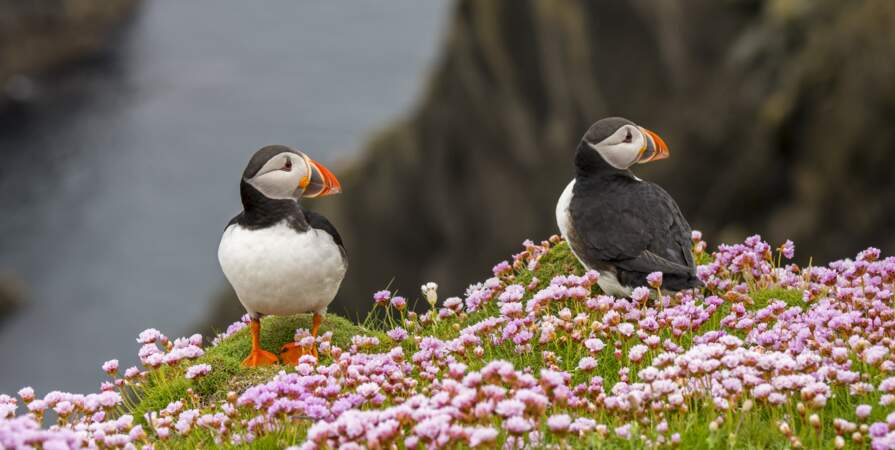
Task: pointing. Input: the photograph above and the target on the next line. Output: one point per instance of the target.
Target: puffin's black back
(630, 226)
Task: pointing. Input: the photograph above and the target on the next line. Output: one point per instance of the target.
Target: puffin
(281, 258)
(618, 224)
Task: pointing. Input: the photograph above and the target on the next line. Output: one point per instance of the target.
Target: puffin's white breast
(279, 271)
(563, 217)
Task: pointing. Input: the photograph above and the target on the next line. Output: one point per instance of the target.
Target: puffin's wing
(637, 227)
(607, 222)
(648, 262)
(678, 245)
(319, 222)
(668, 250)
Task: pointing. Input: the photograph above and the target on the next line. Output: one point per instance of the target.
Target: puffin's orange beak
(321, 182)
(655, 148)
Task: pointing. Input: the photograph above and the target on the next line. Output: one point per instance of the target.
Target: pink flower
(788, 249)
(509, 408)
(587, 364)
(131, 372)
(111, 366)
(501, 268)
(198, 371)
(863, 411)
(482, 435)
(368, 389)
(875, 354)
(594, 345)
(635, 354)
(38, 406)
(582, 425)
(27, 394)
(559, 423)
(397, 334)
(624, 431)
(517, 425)
(149, 336)
(64, 408)
(512, 309)
(398, 302)
(381, 298)
(655, 280)
(640, 294)
(626, 329)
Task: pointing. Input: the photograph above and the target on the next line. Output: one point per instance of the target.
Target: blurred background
(124, 126)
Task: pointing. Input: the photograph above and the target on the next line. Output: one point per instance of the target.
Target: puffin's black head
(618, 143)
(279, 172)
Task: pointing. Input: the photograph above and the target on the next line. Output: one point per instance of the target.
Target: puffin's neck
(262, 211)
(589, 164)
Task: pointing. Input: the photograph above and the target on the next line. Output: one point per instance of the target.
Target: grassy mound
(766, 355)
(225, 359)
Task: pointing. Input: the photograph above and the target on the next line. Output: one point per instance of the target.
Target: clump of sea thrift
(542, 361)
(197, 371)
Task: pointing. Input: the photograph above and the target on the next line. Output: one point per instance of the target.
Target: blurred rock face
(779, 115)
(37, 36)
(12, 294)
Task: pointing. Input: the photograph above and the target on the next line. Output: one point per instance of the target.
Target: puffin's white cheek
(277, 184)
(620, 156)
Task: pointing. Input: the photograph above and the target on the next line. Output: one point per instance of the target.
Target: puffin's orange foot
(291, 352)
(259, 357)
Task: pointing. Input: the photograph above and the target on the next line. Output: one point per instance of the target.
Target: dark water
(114, 196)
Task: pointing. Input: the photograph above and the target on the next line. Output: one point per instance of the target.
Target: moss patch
(559, 260)
(764, 297)
(158, 396)
(223, 371)
(225, 359)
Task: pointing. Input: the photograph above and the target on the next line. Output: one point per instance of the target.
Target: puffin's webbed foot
(259, 357)
(291, 352)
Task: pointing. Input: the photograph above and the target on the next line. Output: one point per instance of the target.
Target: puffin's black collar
(260, 211)
(589, 163)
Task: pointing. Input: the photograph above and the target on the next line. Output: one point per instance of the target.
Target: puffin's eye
(288, 165)
(628, 136)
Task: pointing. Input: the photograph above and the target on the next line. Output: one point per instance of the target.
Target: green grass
(753, 429)
(228, 374)
(559, 260)
(158, 396)
(764, 297)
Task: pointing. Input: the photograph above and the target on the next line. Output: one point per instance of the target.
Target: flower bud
(839, 442)
(784, 428)
(814, 420)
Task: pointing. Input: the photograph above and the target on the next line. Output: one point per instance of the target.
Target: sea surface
(115, 189)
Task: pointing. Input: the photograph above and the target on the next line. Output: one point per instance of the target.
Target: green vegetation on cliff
(730, 366)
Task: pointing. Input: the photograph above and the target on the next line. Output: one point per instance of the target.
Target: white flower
(430, 291)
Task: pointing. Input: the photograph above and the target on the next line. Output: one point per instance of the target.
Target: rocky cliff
(39, 36)
(12, 294)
